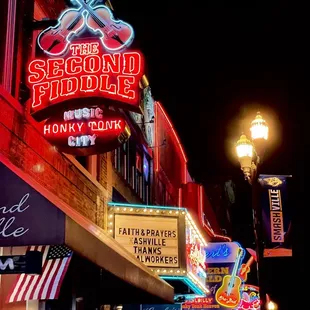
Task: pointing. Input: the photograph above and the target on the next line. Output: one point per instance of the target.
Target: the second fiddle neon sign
(96, 66)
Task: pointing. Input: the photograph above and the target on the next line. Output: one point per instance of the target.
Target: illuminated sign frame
(174, 274)
(87, 131)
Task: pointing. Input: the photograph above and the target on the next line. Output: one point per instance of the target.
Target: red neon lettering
(85, 73)
(69, 86)
(84, 48)
(124, 86)
(55, 68)
(54, 90)
(92, 64)
(89, 83)
(38, 91)
(132, 63)
(37, 71)
(112, 63)
(71, 65)
(106, 86)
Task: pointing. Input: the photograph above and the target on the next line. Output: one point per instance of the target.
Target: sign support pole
(259, 238)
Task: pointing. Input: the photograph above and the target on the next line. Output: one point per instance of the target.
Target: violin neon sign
(79, 67)
(114, 34)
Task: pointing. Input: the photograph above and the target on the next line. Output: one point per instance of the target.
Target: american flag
(55, 263)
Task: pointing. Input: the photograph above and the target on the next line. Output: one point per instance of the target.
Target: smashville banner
(275, 211)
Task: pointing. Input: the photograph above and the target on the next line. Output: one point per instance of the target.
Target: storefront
(78, 84)
(165, 239)
(33, 217)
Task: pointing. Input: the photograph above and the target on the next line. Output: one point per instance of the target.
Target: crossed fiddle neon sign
(115, 35)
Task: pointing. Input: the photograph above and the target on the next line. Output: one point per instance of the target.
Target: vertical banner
(276, 218)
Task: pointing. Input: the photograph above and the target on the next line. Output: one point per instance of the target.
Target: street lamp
(250, 153)
(272, 306)
(244, 150)
(259, 133)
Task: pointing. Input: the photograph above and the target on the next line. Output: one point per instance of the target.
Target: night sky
(213, 65)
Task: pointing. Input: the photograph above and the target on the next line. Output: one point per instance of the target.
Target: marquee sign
(164, 238)
(153, 240)
(87, 131)
(85, 56)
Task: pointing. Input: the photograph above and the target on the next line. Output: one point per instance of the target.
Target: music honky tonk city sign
(85, 55)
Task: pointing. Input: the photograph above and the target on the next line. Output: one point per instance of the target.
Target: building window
(134, 166)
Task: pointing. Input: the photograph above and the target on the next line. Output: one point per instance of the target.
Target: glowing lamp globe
(259, 128)
(272, 306)
(259, 134)
(244, 148)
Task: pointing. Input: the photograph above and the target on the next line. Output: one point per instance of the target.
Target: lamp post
(250, 153)
(272, 306)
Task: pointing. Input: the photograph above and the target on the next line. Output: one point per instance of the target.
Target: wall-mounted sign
(153, 240)
(85, 56)
(220, 252)
(149, 115)
(31, 263)
(249, 298)
(167, 240)
(228, 294)
(86, 131)
(195, 255)
(225, 275)
(26, 217)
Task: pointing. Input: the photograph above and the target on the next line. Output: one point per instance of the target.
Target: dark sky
(213, 66)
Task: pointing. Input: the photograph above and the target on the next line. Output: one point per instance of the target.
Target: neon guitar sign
(114, 34)
(228, 294)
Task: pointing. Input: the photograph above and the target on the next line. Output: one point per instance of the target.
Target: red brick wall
(25, 147)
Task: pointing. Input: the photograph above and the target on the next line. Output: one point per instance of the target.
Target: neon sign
(86, 131)
(250, 298)
(228, 294)
(114, 34)
(85, 72)
(221, 251)
(195, 255)
(82, 64)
